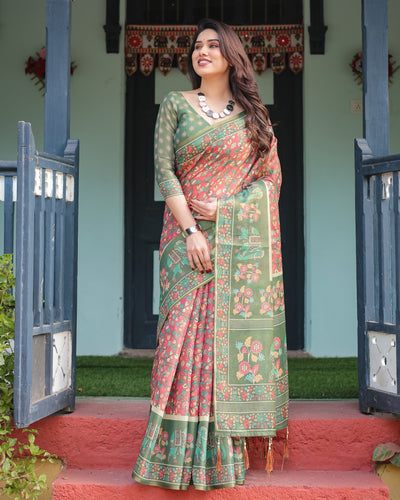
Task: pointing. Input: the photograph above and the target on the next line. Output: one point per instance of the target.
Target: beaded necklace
(213, 114)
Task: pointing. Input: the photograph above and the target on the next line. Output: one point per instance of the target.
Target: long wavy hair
(242, 83)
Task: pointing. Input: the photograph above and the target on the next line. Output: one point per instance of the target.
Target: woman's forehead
(207, 35)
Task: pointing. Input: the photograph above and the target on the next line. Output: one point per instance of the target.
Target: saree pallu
(220, 370)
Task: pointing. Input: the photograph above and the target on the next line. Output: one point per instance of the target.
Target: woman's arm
(164, 158)
(196, 244)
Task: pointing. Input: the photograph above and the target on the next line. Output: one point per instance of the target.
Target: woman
(220, 369)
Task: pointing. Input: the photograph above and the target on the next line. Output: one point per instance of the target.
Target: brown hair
(242, 83)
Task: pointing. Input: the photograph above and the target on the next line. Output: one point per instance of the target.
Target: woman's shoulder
(173, 100)
(174, 96)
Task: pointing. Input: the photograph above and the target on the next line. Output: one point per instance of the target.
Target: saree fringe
(285, 448)
(246, 455)
(269, 466)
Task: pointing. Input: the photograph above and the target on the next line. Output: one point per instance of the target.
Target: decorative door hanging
(268, 46)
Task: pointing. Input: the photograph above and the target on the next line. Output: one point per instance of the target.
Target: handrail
(8, 166)
(380, 159)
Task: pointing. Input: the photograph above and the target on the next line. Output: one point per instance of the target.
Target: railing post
(58, 68)
(375, 75)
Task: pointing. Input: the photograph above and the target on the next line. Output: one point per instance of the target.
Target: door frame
(287, 117)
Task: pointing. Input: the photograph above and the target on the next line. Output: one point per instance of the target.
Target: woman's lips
(203, 62)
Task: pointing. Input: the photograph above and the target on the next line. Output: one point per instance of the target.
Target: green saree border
(219, 128)
(194, 145)
(257, 407)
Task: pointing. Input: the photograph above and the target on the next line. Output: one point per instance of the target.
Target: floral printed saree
(220, 369)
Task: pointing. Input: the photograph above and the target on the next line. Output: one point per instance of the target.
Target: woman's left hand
(206, 209)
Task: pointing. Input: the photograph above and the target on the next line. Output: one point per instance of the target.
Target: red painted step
(290, 485)
(325, 435)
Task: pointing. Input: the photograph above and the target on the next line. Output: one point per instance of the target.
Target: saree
(220, 368)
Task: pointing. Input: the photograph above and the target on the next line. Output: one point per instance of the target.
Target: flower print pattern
(272, 299)
(266, 295)
(275, 356)
(243, 298)
(249, 272)
(249, 356)
(249, 212)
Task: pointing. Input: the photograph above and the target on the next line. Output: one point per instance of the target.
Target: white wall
(97, 119)
(329, 132)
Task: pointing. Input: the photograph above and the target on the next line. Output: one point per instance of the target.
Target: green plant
(18, 457)
(387, 452)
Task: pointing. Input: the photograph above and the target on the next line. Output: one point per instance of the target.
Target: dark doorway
(143, 215)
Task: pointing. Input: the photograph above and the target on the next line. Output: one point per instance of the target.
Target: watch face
(191, 230)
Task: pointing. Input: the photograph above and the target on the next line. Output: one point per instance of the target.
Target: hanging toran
(268, 46)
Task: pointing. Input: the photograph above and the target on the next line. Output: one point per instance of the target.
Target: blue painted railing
(378, 278)
(43, 239)
(8, 177)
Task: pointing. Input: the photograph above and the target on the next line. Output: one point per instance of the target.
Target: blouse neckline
(218, 122)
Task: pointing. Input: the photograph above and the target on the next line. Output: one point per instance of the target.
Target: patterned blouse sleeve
(164, 154)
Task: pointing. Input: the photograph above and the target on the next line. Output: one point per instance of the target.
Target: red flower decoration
(357, 69)
(37, 68)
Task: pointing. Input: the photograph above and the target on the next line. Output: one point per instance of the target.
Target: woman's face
(207, 58)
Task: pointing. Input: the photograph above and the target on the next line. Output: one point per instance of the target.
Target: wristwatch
(192, 229)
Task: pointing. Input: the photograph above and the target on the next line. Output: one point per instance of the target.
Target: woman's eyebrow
(210, 40)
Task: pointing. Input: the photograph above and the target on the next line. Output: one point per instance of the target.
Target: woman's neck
(216, 88)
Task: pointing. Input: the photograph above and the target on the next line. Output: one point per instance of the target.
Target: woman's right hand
(198, 252)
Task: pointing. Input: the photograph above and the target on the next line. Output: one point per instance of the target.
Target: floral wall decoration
(36, 67)
(356, 67)
(268, 46)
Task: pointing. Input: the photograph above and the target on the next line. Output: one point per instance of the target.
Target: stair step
(324, 435)
(288, 485)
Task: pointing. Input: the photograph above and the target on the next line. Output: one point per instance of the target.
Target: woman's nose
(203, 50)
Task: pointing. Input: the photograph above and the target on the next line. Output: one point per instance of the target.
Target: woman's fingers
(198, 252)
(198, 263)
(207, 261)
(191, 262)
(206, 210)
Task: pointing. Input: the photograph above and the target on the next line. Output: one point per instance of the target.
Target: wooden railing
(39, 195)
(378, 278)
(8, 197)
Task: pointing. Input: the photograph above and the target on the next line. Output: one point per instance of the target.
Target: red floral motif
(238, 307)
(283, 40)
(146, 64)
(256, 347)
(134, 41)
(244, 368)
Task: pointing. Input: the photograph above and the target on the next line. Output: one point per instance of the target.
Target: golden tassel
(249, 444)
(285, 448)
(269, 467)
(218, 464)
(246, 456)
